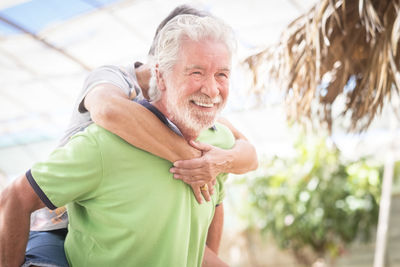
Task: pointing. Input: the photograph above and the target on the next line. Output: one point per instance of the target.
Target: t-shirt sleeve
(70, 173)
(107, 74)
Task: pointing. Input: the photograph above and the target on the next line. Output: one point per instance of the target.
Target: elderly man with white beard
(124, 212)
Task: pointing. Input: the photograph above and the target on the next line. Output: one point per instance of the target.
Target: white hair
(168, 43)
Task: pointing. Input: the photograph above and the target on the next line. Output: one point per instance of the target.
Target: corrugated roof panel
(35, 15)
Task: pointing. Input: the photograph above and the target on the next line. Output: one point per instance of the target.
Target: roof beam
(43, 41)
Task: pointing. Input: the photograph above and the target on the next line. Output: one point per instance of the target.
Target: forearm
(211, 259)
(215, 229)
(138, 126)
(14, 237)
(241, 158)
(14, 227)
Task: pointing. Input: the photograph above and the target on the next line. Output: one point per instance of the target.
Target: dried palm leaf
(339, 47)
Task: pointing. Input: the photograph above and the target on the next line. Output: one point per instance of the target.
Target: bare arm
(17, 202)
(110, 108)
(215, 229)
(210, 259)
(240, 159)
(244, 153)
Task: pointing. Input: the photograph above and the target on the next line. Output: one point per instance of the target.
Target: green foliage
(315, 199)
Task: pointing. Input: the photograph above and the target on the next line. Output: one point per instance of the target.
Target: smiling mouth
(202, 104)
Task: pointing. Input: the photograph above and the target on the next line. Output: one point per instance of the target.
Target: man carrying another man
(128, 212)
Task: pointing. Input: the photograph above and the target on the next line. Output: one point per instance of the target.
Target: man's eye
(196, 72)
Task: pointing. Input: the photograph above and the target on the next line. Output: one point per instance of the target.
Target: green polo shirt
(125, 208)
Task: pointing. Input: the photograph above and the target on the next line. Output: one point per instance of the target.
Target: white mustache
(206, 99)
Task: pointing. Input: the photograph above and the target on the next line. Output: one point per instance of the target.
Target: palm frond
(339, 47)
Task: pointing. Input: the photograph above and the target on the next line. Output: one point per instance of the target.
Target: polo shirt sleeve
(221, 179)
(70, 174)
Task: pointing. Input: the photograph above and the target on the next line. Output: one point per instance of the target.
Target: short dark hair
(179, 10)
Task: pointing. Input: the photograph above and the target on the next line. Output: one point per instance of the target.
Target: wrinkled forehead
(186, 40)
(205, 51)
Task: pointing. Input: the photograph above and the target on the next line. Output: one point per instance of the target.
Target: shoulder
(86, 138)
(110, 68)
(221, 136)
(112, 73)
(104, 140)
(94, 134)
(90, 143)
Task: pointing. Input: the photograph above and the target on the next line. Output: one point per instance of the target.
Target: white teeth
(207, 105)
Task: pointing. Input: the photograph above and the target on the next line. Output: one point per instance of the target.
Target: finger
(192, 180)
(197, 193)
(206, 194)
(200, 146)
(189, 176)
(211, 188)
(192, 176)
(186, 172)
(189, 163)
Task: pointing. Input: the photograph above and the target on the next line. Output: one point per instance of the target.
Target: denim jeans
(46, 249)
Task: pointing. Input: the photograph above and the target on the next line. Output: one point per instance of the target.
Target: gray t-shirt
(122, 77)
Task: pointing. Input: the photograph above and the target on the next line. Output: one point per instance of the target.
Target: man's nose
(210, 87)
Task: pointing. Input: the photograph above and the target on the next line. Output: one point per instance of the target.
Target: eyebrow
(191, 67)
(225, 69)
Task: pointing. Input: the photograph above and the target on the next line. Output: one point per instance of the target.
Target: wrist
(226, 166)
(190, 152)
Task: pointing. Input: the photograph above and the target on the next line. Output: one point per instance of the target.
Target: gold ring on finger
(204, 187)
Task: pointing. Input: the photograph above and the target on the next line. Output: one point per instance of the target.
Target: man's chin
(194, 122)
(200, 126)
(196, 126)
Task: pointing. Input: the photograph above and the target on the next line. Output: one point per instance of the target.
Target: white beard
(186, 117)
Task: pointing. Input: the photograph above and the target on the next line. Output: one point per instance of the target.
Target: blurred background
(314, 201)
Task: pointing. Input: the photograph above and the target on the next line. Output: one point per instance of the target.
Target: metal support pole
(384, 212)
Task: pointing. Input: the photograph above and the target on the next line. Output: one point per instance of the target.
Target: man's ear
(160, 79)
